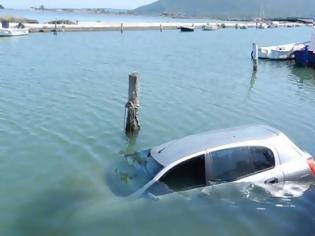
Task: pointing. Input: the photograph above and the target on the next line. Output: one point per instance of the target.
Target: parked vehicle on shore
(255, 154)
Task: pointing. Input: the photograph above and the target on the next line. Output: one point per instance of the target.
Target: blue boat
(305, 57)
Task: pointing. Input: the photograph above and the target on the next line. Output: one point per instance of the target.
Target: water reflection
(274, 64)
(130, 146)
(304, 75)
(252, 82)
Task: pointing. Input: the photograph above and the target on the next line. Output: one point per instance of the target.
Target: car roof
(175, 150)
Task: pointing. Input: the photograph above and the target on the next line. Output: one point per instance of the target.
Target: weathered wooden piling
(55, 30)
(255, 56)
(122, 27)
(133, 105)
(161, 28)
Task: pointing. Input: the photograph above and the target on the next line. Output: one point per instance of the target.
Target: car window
(186, 175)
(232, 164)
(262, 158)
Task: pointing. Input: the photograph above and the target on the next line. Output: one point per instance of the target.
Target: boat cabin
(5, 24)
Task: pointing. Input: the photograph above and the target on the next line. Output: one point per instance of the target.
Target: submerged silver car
(258, 154)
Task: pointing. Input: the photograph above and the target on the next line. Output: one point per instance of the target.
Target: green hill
(239, 9)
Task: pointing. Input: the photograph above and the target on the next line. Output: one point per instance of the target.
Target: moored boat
(306, 55)
(210, 27)
(7, 31)
(13, 32)
(280, 52)
(262, 25)
(187, 28)
(243, 26)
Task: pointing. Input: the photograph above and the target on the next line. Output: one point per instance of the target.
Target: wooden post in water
(122, 27)
(55, 30)
(161, 28)
(133, 104)
(255, 57)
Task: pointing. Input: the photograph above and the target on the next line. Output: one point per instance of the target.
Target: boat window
(232, 164)
(186, 175)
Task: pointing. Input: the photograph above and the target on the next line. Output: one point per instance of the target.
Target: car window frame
(180, 161)
(241, 145)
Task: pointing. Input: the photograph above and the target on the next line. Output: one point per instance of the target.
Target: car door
(243, 164)
(186, 175)
(266, 165)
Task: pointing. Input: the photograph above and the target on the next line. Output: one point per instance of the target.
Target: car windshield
(128, 177)
(143, 162)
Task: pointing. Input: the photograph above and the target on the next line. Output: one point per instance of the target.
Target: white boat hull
(281, 52)
(262, 26)
(210, 27)
(13, 32)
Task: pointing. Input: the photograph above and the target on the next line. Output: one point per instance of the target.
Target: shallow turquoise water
(61, 129)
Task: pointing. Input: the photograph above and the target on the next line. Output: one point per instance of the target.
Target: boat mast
(262, 11)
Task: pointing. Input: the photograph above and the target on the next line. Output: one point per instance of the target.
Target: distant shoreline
(167, 15)
(118, 12)
(86, 10)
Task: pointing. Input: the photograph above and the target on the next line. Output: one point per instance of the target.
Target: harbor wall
(98, 26)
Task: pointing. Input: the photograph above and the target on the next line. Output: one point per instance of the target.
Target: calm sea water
(61, 129)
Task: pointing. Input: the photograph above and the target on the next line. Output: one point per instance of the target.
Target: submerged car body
(258, 154)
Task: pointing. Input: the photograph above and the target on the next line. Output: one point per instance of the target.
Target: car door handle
(272, 181)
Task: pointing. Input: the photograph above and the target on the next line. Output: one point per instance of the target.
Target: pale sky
(122, 4)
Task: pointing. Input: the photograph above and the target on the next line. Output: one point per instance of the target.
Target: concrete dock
(101, 26)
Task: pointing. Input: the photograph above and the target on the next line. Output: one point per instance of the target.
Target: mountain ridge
(239, 9)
